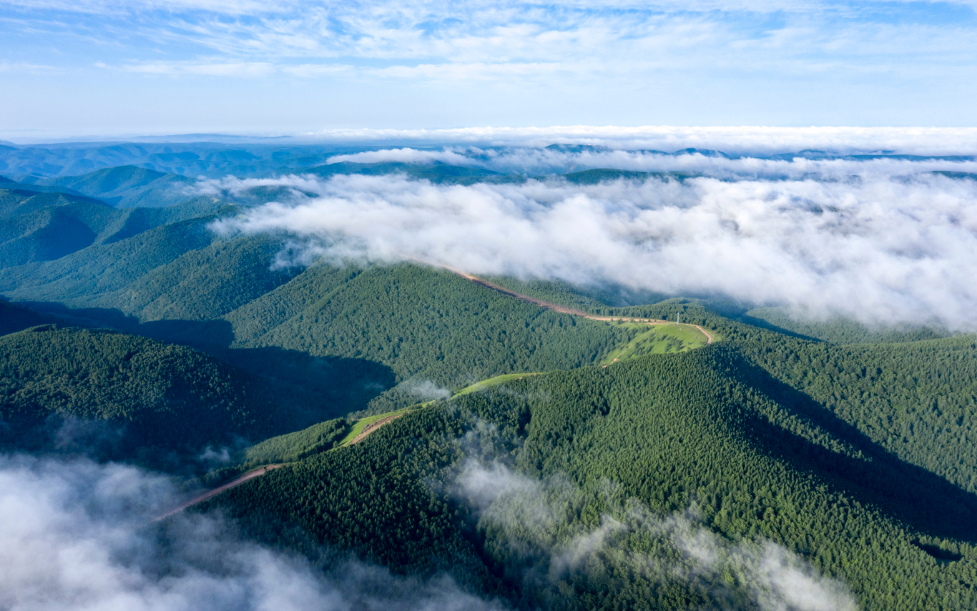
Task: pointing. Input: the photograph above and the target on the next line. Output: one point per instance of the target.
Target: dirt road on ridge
(374, 426)
(379, 423)
(212, 493)
(566, 309)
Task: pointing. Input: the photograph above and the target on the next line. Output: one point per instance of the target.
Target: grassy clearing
(362, 423)
(659, 339)
(489, 383)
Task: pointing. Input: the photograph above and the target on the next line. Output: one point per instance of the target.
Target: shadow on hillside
(333, 385)
(912, 495)
(341, 385)
(187, 332)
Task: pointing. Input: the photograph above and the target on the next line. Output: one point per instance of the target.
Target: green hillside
(293, 447)
(595, 176)
(917, 400)
(420, 322)
(438, 173)
(41, 227)
(666, 432)
(127, 186)
(104, 267)
(157, 396)
(47, 226)
(202, 284)
(837, 330)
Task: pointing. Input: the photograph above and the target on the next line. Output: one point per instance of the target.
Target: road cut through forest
(200, 498)
(562, 309)
(555, 307)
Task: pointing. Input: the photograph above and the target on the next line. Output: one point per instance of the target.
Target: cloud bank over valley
(883, 241)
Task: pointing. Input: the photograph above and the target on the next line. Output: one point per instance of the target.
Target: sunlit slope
(421, 322)
(204, 283)
(672, 431)
(154, 395)
(657, 339)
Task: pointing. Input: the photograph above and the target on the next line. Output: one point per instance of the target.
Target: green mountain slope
(47, 226)
(839, 331)
(918, 400)
(105, 267)
(127, 186)
(438, 173)
(420, 322)
(164, 397)
(669, 432)
(202, 284)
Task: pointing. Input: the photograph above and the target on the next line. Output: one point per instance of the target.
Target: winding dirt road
(212, 493)
(374, 426)
(562, 309)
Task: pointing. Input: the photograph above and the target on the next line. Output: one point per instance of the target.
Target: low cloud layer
(537, 523)
(541, 161)
(732, 139)
(406, 155)
(882, 247)
(78, 535)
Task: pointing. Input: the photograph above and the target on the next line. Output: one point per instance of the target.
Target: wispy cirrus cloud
(516, 63)
(217, 68)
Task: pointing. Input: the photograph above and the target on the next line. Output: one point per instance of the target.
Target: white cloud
(536, 522)
(425, 390)
(732, 139)
(877, 248)
(77, 535)
(405, 155)
(27, 67)
(238, 69)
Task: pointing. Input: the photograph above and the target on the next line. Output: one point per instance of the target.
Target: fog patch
(406, 155)
(79, 535)
(882, 250)
(761, 140)
(425, 390)
(536, 525)
(215, 458)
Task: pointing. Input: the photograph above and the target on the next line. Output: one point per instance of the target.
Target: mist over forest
(491, 369)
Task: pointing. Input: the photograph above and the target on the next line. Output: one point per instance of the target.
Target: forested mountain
(435, 425)
(127, 186)
(668, 432)
(151, 397)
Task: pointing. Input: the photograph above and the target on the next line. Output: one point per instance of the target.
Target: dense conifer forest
(435, 426)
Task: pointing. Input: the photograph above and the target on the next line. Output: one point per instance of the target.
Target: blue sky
(108, 67)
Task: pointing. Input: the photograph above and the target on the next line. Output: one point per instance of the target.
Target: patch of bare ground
(374, 426)
(568, 310)
(200, 498)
